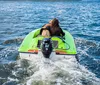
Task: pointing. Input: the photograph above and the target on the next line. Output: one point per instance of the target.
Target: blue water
(18, 18)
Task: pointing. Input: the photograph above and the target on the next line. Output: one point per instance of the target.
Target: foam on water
(64, 71)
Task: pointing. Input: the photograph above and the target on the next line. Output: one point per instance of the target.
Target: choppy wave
(88, 53)
(13, 41)
(8, 54)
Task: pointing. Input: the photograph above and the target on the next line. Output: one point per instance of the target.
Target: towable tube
(32, 43)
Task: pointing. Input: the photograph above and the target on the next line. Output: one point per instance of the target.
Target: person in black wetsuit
(53, 28)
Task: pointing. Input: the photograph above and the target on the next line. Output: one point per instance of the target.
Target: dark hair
(56, 30)
(55, 23)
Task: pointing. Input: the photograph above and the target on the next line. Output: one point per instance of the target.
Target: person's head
(54, 22)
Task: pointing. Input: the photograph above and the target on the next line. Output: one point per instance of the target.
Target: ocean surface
(80, 18)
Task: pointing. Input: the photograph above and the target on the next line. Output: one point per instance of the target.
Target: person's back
(52, 29)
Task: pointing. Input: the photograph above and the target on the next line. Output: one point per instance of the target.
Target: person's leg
(45, 33)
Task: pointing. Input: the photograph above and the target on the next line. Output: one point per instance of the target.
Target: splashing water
(63, 71)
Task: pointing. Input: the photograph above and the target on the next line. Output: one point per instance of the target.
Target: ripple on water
(89, 53)
(81, 19)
